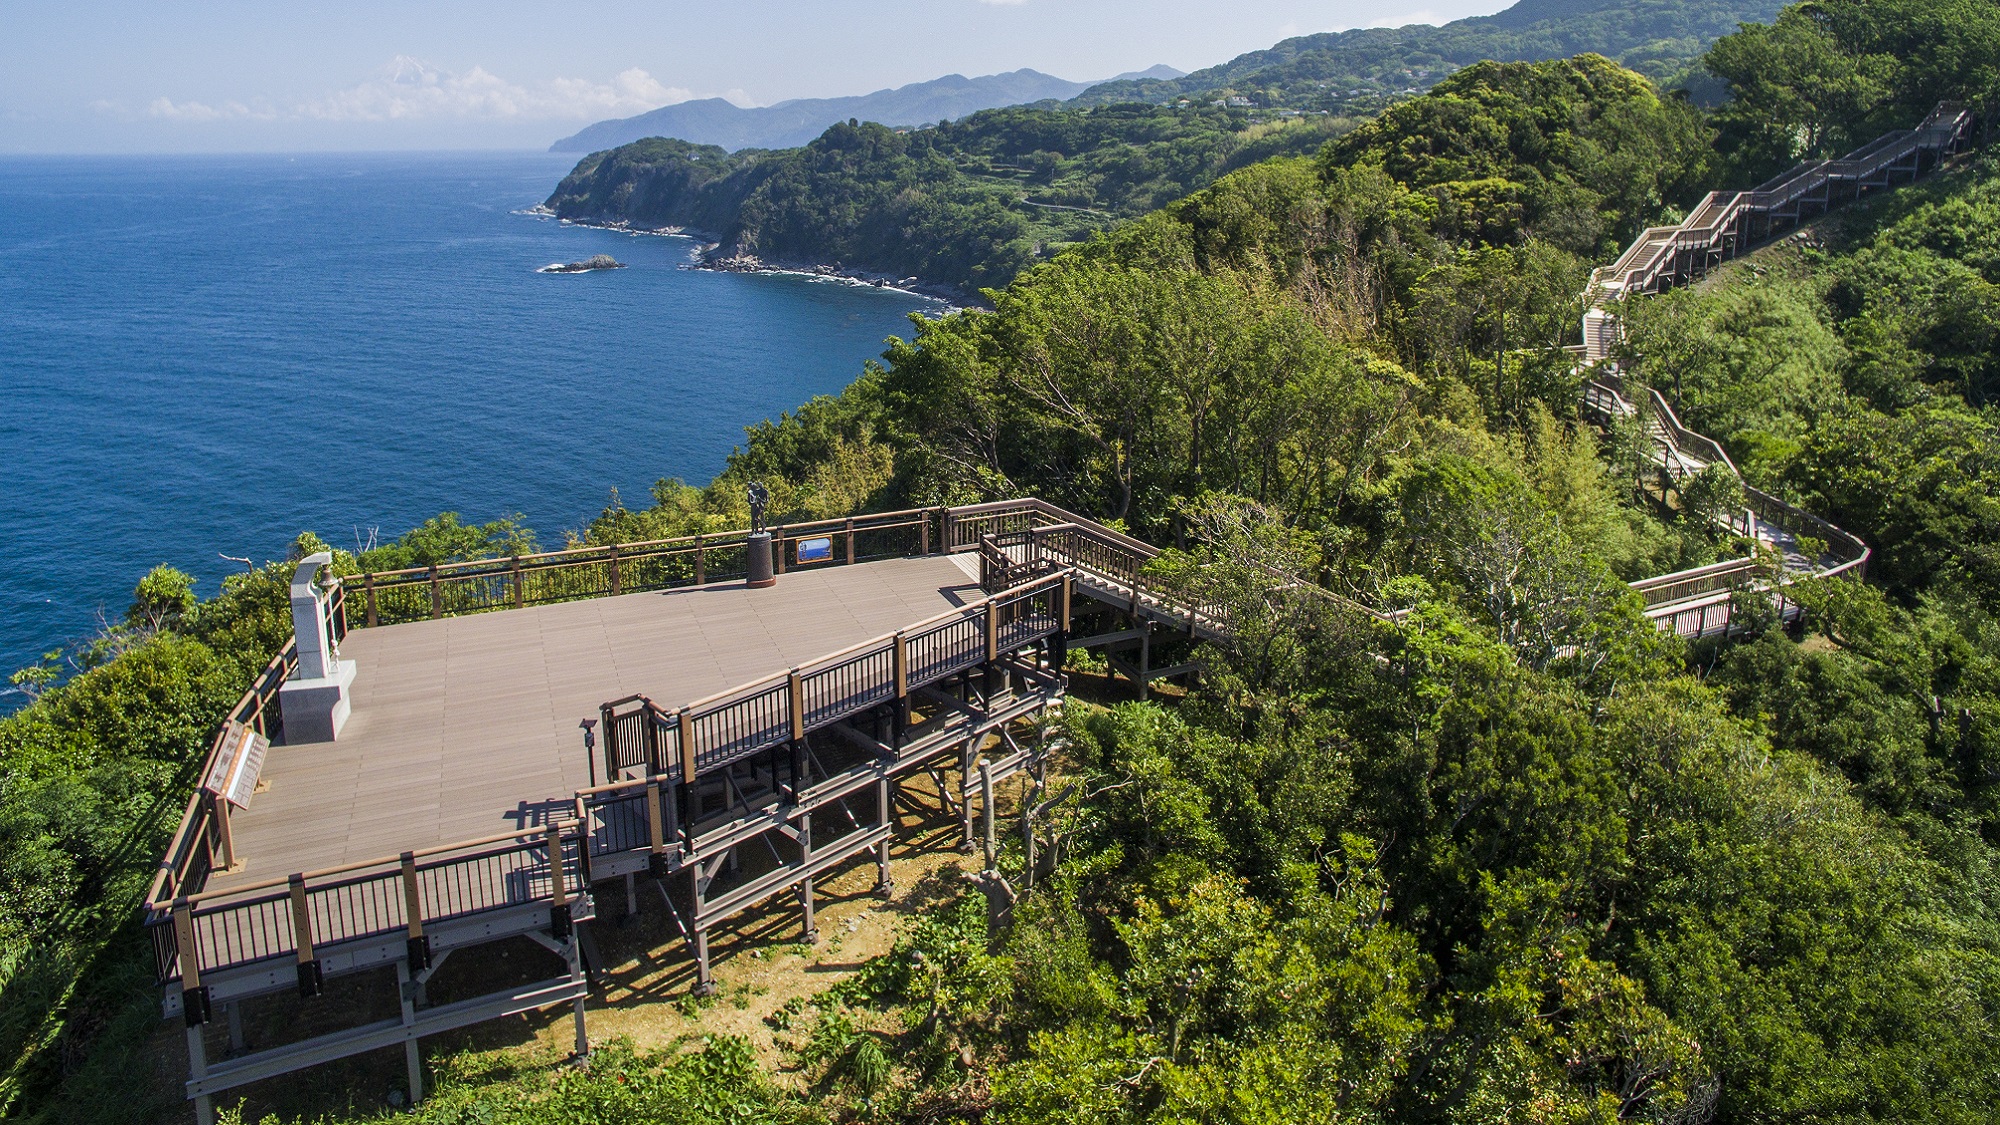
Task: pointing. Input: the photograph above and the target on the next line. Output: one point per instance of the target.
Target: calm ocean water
(203, 356)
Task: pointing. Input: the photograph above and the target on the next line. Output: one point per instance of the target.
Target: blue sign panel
(816, 550)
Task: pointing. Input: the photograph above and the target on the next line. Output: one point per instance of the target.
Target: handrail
(1602, 395)
(791, 530)
(1707, 448)
(358, 901)
(509, 582)
(783, 707)
(193, 844)
(350, 869)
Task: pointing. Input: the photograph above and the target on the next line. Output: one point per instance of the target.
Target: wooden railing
(1684, 585)
(1109, 557)
(451, 589)
(730, 726)
(1849, 553)
(305, 915)
(192, 852)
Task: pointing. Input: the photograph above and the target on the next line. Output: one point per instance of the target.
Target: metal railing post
(419, 953)
(194, 994)
(689, 811)
(310, 979)
(559, 917)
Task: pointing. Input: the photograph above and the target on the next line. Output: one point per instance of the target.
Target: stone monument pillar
(315, 697)
(758, 566)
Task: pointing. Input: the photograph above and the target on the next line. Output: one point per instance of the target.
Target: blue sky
(224, 75)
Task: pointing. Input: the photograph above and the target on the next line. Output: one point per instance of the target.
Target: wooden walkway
(467, 727)
(1726, 224)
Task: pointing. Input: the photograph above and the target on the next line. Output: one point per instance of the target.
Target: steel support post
(704, 981)
(885, 807)
(811, 933)
(986, 811)
(1145, 654)
(965, 795)
(204, 1106)
(576, 977)
(413, 1058)
(1030, 794)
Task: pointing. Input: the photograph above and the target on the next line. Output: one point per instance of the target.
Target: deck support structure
(949, 728)
(415, 1019)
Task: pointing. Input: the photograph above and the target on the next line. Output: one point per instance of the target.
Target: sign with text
(815, 550)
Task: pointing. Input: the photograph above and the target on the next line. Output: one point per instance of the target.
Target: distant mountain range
(1352, 71)
(969, 204)
(712, 121)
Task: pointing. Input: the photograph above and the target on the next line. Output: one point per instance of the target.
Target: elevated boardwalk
(1726, 224)
(464, 803)
(1701, 602)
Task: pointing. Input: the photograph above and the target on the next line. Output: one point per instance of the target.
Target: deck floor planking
(466, 727)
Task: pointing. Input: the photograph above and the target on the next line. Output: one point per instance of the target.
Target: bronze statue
(759, 496)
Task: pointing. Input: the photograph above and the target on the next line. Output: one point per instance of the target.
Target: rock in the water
(600, 262)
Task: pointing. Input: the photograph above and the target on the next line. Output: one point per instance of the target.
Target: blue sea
(200, 357)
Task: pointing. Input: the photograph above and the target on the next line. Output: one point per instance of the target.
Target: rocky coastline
(734, 260)
(711, 253)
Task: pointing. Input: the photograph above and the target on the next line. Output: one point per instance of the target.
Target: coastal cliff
(962, 207)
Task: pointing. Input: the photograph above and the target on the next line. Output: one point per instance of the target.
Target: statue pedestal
(315, 709)
(760, 574)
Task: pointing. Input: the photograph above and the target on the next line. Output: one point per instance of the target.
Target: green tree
(161, 599)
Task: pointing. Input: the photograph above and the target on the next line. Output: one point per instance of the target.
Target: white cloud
(202, 111)
(409, 89)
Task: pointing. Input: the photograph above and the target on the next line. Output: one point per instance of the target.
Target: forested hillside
(1361, 70)
(969, 205)
(1513, 857)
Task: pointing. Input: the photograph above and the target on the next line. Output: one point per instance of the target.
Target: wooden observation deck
(463, 803)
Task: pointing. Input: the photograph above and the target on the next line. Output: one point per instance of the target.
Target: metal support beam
(987, 812)
(885, 812)
(369, 1037)
(413, 1059)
